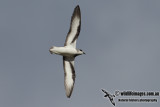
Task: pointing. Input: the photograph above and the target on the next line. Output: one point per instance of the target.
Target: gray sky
(121, 39)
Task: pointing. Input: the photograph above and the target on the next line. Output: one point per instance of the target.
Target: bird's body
(65, 51)
(109, 96)
(69, 51)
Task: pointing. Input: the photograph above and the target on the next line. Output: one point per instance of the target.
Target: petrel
(69, 51)
(109, 96)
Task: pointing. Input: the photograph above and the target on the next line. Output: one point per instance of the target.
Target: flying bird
(69, 51)
(109, 96)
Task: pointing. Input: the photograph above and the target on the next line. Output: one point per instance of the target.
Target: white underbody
(69, 51)
(65, 51)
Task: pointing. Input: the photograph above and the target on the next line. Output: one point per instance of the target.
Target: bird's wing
(75, 27)
(112, 102)
(69, 75)
(105, 92)
(111, 99)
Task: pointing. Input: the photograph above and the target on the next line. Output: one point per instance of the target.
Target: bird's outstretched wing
(69, 74)
(105, 92)
(109, 96)
(111, 99)
(75, 27)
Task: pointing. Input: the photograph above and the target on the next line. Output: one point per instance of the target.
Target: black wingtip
(69, 96)
(103, 90)
(77, 6)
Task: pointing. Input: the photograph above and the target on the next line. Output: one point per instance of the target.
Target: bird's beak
(84, 53)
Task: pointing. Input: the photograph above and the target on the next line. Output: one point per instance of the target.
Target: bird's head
(81, 52)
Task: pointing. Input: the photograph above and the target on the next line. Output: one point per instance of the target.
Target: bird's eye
(80, 49)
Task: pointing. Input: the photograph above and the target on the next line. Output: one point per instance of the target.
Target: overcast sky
(121, 39)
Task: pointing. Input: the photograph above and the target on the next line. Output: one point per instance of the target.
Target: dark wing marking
(105, 92)
(69, 75)
(109, 96)
(111, 99)
(75, 27)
